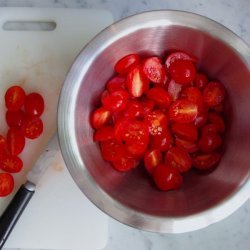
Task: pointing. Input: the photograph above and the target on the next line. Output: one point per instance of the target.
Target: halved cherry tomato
(15, 118)
(32, 127)
(174, 89)
(99, 117)
(112, 150)
(6, 184)
(183, 111)
(178, 159)
(185, 131)
(214, 94)
(182, 71)
(209, 128)
(160, 96)
(209, 142)
(104, 133)
(188, 146)
(126, 63)
(116, 83)
(201, 119)
(201, 81)
(3, 145)
(137, 82)
(157, 122)
(11, 163)
(167, 178)
(147, 104)
(151, 159)
(178, 56)
(161, 141)
(218, 108)
(154, 70)
(206, 161)
(217, 120)
(133, 109)
(34, 104)
(115, 101)
(124, 164)
(14, 98)
(15, 141)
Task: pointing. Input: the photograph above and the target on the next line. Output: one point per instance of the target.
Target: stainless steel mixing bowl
(130, 197)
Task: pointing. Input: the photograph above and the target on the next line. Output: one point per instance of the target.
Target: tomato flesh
(32, 127)
(214, 94)
(187, 146)
(124, 164)
(15, 141)
(178, 56)
(6, 184)
(104, 133)
(99, 117)
(186, 131)
(11, 163)
(161, 141)
(151, 159)
(157, 122)
(160, 96)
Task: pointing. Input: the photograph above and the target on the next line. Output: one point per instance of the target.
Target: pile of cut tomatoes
(23, 119)
(163, 113)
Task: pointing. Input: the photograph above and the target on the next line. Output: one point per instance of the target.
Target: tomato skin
(154, 70)
(124, 164)
(14, 98)
(182, 71)
(6, 184)
(209, 142)
(201, 81)
(161, 141)
(152, 158)
(201, 119)
(206, 161)
(127, 62)
(174, 89)
(214, 94)
(15, 118)
(34, 104)
(216, 119)
(137, 83)
(99, 117)
(116, 83)
(178, 159)
(3, 145)
(11, 163)
(104, 133)
(133, 109)
(179, 55)
(32, 127)
(187, 146)
(185, 131)
(183, 111)
(167, 178)
(160, 96)
(15, 141)
(209, 128)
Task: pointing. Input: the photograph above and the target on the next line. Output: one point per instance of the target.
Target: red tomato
(126, 63)
(182, 71)
(193, 94)
(133, 109)
(219, 108)
(34, 104)
(214, 94)
(160, 96)
(15, 141)
(185, 131)
(201, 81)
(112, 150)
(116, 83)
(124, 164)
(137, 83)
(115, 101)
(147, 104)
(32, 127)
(167, 178)
(217, 120)
(201, 119)
(104, 133)
(157, 122)
(161, 141)
(209, 128)
(178, 159)
(154, 70)
(11, 163)
(209, 142)
(3, 145)
(151, 159)
(183, 111)
(6, 184)
(188, 146)
(99, 117)
(14, 98)
(15, 118)
(174, 89)
(178, 56)
(206, 161)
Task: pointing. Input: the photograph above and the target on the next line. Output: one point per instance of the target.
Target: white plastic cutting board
(39, 61)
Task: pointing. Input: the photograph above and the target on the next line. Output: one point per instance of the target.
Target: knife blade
(21, 199)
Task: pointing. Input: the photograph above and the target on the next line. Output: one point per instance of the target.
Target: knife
(21, 199)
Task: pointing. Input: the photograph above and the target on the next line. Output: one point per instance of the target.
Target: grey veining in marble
(231, 233)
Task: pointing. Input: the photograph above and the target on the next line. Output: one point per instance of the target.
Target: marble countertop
(234, 231)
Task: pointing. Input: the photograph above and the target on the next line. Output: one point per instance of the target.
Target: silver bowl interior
(131, 197)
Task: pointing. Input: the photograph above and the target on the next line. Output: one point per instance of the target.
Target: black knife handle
(14, 210)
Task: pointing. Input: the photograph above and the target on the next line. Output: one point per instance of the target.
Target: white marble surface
(231, 233)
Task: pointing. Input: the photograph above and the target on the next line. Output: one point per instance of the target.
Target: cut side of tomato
(14, 98)
(104, 133)
(185, 131)
(157, 122)
(152, 158)
(217, 120)
(206, 161)
(116, 83)
(6, 184)
(201, 81)
(34, 104)
(174, 89)
(161, 141)
(100, 117)
(209, 142)
(11, 163)
(126, 63)
(15, 141)
(178, 56)
(133, 109)
(160, 96)
(32, 127)
(188, 146)
(124, 164)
